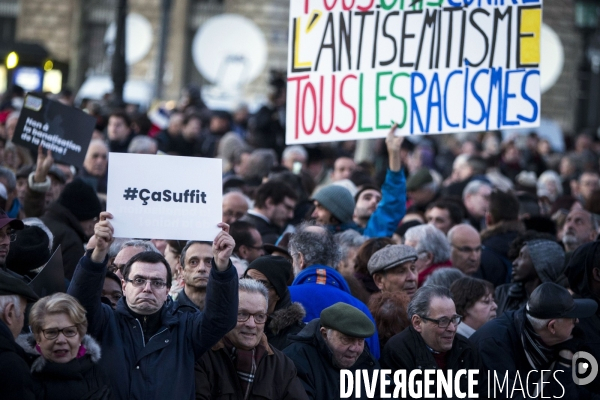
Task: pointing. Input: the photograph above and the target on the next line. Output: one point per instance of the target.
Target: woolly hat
(29, 251)
(276, 269)
(548, 259)
(419, 179)
(81, 199)
(337, 200)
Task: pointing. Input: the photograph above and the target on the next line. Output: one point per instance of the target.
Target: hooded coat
(79, 379)
(318, 287)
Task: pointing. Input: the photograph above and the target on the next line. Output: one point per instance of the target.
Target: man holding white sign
(144, 325)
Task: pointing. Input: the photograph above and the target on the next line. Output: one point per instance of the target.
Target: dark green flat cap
(347, 319)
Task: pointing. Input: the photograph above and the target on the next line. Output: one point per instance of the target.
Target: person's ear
(243, 251)
(123, 284)
(596, 274)
(378, 279)
(9, 313)
(417, 323)
(552, 326)
(323, 332)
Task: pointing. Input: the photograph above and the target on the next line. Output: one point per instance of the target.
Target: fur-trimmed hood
(285, 317)
(27, 342)
(502, 227)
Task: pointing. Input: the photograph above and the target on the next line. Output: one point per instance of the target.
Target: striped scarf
(245, 363)
(538, 354)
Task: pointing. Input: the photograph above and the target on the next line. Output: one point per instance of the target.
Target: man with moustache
(580, 228)
(243, 364)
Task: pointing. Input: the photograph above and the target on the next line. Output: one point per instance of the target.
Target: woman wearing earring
(67, 362)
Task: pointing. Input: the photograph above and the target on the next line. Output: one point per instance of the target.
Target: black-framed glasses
(259, 318)
(116, 267)
(52, 333)
(444, 321)
(138, 281)
(467, 249)
(255, 247)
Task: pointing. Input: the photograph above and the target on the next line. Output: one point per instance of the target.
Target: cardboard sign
(164, 197)
(436, 66)
(51, 278)
(64, 130)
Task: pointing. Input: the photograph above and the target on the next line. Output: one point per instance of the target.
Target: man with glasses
(465, 251)
(431, 341)
(145, 337)
(243, 364)
(330, 343)
(8, 226)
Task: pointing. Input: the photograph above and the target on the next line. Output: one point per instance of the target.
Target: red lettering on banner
(309, 86)
(297, 111)
(322, 88)
(343, 101)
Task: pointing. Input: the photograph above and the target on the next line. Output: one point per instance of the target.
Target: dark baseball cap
(550, 300)
(10, 284)
(6, 220)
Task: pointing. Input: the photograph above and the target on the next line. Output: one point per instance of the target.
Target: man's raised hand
(223, 247)
(103, 233)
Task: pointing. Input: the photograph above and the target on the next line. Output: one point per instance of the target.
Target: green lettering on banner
(360, 107)
(394, 95)
(378, 99)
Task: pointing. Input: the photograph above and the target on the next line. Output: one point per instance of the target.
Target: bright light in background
(12, 60)
(52, 81)
(48, 65)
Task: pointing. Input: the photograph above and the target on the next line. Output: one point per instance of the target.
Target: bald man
(465, 251)
(235, 206)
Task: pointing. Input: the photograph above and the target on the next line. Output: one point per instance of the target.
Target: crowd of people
(472, 251)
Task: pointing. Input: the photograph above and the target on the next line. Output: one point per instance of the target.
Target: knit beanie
(337, 200)
(29, 251)
(548, 259)
(277, 270)
(81, 199)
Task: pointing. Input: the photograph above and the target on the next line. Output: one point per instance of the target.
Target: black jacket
(314, 363)
(284, 322)
(79, 379)
(15, 379)
(268, 231)
(68, 233)
(500, 346)
(407, 350)
(495, 265)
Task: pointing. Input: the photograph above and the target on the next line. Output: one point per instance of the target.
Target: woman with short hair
(474, 301)
(67, 359)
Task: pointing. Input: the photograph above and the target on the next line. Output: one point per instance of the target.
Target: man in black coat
(329, 344)
(583, 271)
(15, 378)
(431, 342)
(531, 350)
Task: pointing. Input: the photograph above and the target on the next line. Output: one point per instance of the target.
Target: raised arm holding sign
(145, 326)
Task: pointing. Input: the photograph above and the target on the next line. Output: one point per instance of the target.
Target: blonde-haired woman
(67, 362)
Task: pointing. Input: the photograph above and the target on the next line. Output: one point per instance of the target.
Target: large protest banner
(164, 197)
(437, 66)
(66, 131)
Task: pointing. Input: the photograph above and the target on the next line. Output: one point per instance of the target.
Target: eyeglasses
(52, 333)
(11, 234)
(255, 247)
(116, 267)
(259, 318)
(141, 282)
(444, 321)
(467, 249)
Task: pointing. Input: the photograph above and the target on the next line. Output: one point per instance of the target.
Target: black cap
(550, 300)
(10, 284)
